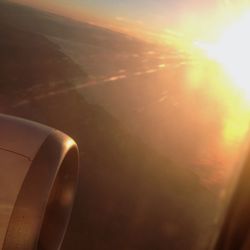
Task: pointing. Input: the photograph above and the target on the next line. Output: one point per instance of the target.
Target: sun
(232, 51)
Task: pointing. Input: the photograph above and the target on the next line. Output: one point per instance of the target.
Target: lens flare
(232, 52)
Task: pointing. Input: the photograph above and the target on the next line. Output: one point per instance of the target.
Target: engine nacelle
(38, 180)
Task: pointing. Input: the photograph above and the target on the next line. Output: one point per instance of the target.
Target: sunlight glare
(232, 52)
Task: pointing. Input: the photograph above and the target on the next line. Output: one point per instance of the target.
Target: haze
(143, 18)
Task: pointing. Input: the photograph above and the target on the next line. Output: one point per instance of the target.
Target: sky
(155, 18)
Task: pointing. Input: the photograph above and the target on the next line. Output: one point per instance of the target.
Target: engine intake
(38, 181)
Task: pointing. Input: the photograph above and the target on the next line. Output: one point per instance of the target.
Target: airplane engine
(38, 181)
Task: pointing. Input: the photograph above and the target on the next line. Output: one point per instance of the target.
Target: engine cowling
(38, 181)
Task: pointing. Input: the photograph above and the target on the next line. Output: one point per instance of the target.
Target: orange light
(232, 52)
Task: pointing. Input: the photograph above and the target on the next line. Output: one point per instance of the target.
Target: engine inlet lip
(49, 177)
